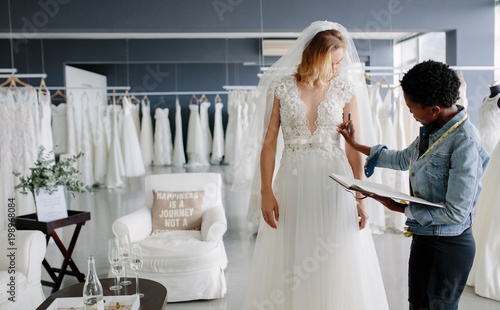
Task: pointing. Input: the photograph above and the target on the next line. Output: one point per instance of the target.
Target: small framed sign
(51, 207)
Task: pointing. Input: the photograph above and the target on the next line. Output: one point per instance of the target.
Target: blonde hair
(315, 65)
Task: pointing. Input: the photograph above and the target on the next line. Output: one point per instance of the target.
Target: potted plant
(48, 179)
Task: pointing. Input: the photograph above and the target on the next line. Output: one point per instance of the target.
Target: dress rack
(405, 68)
(239, 87)
(25, 76)
(89, 87)
(171, 93)
(11, 71)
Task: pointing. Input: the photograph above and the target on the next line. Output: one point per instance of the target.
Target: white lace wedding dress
(317, 258)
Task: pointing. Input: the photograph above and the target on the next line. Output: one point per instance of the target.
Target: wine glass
(124, 243)
(115, 261)
(136, 262)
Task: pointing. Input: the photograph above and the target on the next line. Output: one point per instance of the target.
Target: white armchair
(30, 251)
(190, 264)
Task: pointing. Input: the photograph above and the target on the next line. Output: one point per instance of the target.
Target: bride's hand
(362, 214)
(270, 209)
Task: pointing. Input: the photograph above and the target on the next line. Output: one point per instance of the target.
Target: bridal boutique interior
(157, 87)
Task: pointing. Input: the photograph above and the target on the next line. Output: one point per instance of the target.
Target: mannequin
(489, 118)
(495, 90)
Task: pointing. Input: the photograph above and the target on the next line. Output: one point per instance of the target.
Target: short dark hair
(431, 83)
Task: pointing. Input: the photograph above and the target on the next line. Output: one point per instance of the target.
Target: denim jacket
(450, 175)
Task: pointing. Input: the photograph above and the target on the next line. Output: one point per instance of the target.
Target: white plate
(76, 303)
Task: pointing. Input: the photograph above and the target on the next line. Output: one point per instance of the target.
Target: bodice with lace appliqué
(294, 124)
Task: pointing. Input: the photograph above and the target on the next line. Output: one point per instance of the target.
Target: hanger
(120, 99)
(70, 97)
(384, 81)
(13, 80)
(371, 80)
(134, 99)
(85, 95)
(99, 97)
(217, 99)
(44, 89)
(203, 98)
(196, 100)
(462, 80)
(61, 97)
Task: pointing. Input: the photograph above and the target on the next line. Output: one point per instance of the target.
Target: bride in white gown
(314, 249)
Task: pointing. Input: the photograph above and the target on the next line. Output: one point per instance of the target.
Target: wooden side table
(155, 294)
(29, 222)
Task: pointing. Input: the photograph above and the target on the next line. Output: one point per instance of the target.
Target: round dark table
(155, 294)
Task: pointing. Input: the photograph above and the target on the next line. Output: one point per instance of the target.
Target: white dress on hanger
(375, 103)
(463, 93)
(244, 114)
(101, 145)
(485, 272)
(46, 139)
(317, 258)
(402, 177)
(390, 177)
(146, 133)
(60, 127)
(205, 127)
(73, 147)
(115, 167)
(232, 110)
(131, 149)
(18, 147)
(162, 139)
(196, 151)
(489, 122)
(236, 145)
(178, 158)
(218, 143)
(411, 126)
(134, 110)
(86, 162)
(375, 209)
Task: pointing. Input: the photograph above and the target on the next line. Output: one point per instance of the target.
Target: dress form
(489, 118)
(495, 90)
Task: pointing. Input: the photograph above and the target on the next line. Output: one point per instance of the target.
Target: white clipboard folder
(367, 187)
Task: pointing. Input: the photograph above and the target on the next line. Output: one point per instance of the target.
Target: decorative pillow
(176, 210)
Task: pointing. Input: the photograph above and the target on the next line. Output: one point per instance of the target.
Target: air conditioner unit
(276, 47)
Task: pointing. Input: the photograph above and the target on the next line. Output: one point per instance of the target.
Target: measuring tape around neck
(444, 135)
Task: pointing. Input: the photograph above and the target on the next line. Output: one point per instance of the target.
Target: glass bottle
(92, 290)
